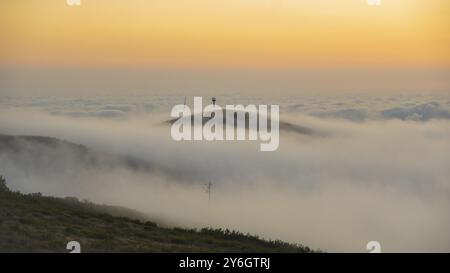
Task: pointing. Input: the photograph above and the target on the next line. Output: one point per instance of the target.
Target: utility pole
(208, 191)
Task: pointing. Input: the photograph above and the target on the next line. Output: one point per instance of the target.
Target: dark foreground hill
(35, 223)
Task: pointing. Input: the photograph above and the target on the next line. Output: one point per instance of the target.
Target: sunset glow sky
(226, 34)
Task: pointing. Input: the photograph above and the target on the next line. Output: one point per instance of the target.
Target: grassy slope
(33, 223)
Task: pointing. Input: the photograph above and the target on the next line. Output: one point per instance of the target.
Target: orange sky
(225, 33)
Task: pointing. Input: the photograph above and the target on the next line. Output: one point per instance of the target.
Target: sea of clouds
(379, 169)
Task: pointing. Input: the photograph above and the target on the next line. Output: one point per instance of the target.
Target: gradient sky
(230, 35)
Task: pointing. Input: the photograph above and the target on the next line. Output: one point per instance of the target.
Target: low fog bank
(387, 181)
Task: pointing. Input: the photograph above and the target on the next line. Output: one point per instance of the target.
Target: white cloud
(422, 112)
(357, 182)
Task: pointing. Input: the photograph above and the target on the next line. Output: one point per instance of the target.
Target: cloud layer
(384, 180)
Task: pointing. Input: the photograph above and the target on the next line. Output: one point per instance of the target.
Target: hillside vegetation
(36, 223)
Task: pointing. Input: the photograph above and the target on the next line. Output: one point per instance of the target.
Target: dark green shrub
(3, 185)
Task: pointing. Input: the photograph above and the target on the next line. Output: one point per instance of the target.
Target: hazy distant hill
(31, 147)
(34, 223)
(54, 155)
(283, 125)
